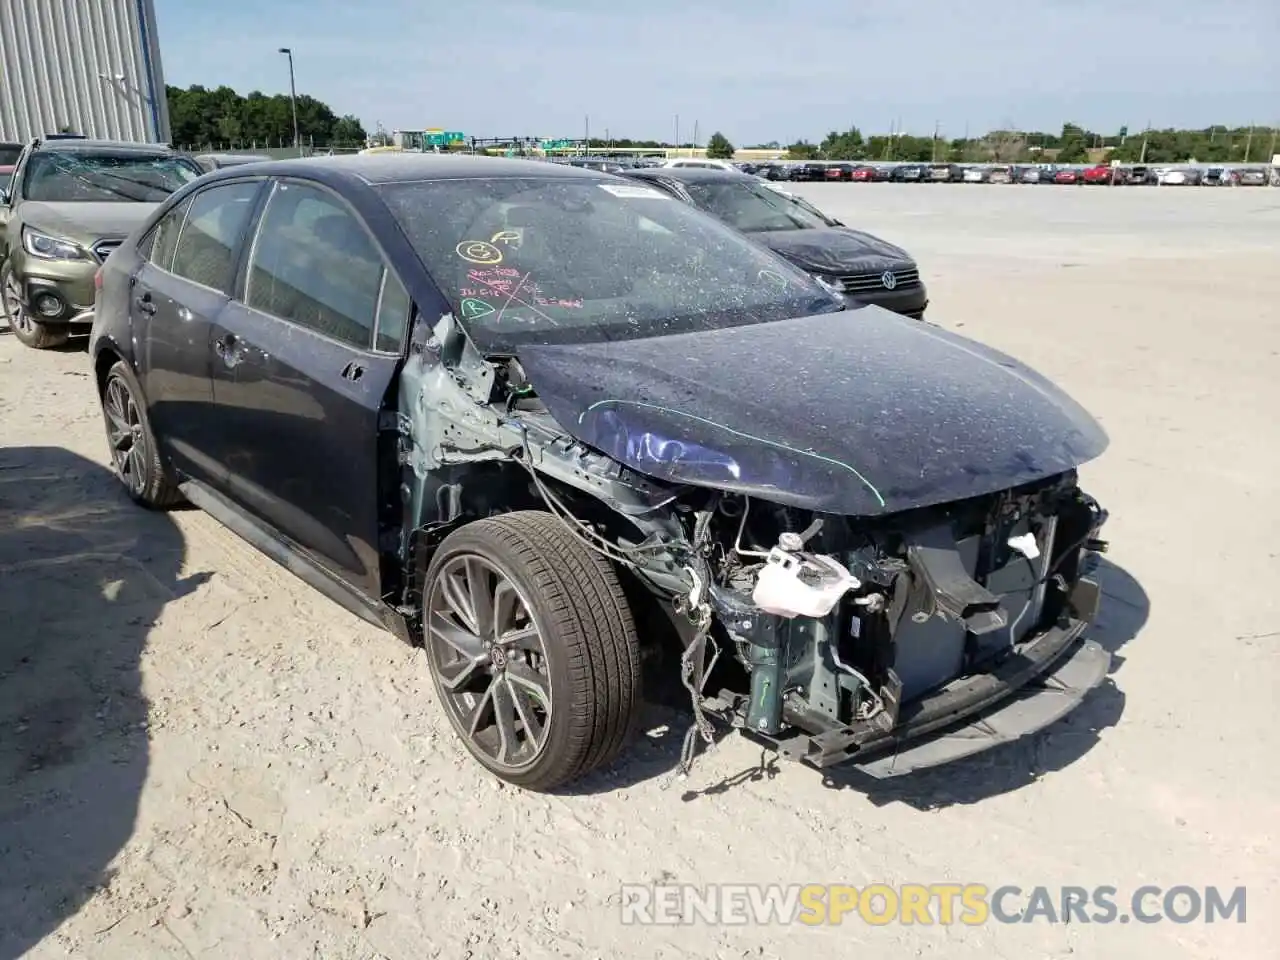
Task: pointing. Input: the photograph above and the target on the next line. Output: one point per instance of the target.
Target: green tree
(229, 129)
(199, 116)
(1073, 145)
(1073, 151)
(848, 145)
(348, 131)
(719, 147)
(802, 150)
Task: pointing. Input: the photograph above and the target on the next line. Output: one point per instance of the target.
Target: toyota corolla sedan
(852, 262)
(569, 433)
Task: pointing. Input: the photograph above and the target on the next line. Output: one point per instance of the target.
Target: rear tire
(29, 332)
(134, 453)
(522, 620)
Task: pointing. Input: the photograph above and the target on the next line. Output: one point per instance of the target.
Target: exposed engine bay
(829, 637)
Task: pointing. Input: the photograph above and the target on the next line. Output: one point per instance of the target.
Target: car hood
(86, 222)
(833, 250)
(859, 412)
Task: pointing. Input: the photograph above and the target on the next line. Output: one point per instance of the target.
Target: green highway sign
(557, 144)
(444, 138)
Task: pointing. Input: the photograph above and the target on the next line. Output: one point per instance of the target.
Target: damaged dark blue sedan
(572, 436)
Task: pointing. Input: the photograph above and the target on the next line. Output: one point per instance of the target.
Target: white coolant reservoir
(801, 584)
(1025, 545)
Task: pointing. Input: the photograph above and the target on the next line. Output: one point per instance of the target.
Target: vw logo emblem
(888, 279)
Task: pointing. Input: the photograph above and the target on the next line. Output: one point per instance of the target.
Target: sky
(757, 70)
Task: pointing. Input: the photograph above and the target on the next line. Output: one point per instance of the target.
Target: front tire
(532, 647)
(134, 453)
(29, 332)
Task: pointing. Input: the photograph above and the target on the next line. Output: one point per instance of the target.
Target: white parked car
(701, 162)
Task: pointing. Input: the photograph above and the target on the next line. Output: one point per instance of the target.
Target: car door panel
(174, 319)
(298, 386)
(300, 417)
(177, 294)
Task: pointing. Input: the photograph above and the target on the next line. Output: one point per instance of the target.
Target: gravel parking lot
(199, 756)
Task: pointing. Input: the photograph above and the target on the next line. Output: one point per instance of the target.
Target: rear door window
(206, 247)
(163, 241)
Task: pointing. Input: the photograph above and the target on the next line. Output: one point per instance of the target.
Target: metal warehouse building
(85, 66)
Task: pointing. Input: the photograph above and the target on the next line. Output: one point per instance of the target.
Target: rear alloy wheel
(532, 647)
(133, 447)
(30, 332)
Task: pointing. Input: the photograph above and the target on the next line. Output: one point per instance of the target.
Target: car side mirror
(4, 196)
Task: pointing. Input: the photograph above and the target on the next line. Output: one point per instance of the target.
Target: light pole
(293, 100)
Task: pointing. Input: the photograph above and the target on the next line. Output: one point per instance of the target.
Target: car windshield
(543, 260)
(69, 177)
(754, 207)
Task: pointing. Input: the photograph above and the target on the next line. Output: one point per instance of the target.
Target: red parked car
(1104, 174)
(864, 174)
(1067, 176)
(9, 154)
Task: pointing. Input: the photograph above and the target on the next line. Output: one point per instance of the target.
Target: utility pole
(293, 101)
(1248, 144)
(586, 130)
(1143, 157)
(933, 151)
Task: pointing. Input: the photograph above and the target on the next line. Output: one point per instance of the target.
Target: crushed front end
(894, 640)
(854, 637)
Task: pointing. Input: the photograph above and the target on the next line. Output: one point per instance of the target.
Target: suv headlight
(45, 247)
(834, 284)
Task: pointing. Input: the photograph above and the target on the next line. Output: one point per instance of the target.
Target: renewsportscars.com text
(971, 904)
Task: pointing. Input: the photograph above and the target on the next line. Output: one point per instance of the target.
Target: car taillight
(97, 279)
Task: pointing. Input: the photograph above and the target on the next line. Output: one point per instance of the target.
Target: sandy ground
(201, 757)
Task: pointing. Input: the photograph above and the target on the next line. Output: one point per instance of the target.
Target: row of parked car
(1100, 174)
(838, 171)
(74, 202)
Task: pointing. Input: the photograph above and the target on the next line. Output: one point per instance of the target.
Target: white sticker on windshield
(629, 192)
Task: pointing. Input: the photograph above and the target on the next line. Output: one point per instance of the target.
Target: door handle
(145, 304)
(353, 372)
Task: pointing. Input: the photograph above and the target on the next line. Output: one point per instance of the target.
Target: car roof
(408, 167)
(691, 174)
(257, 157)
(103, 146)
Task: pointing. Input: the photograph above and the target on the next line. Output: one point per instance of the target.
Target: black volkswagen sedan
(570, 434)
(862, 267)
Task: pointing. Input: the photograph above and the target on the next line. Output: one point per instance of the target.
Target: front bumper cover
(1039, 682)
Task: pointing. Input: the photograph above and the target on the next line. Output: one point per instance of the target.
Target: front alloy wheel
(532, 647)
(490, 661)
